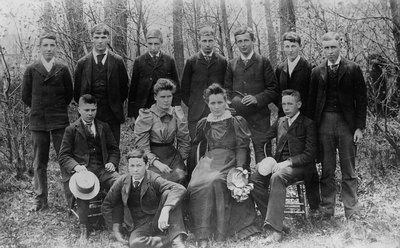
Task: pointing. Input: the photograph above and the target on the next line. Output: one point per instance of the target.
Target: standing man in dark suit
(295, 73)
(102, 74)
(252, 85)
(147, 69)
(296, 149)
(153, 202)
(338, 103)
(47, 90)
(88, 144)
(201, 70)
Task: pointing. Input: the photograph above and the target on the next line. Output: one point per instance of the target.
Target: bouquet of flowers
(238, 184)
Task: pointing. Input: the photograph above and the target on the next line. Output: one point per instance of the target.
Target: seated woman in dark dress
(214, 213)
(162, 132)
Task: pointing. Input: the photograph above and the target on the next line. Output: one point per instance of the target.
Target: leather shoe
(178, 242)
(274, 237)
(84, 232)
(202, 243)
(38, 205)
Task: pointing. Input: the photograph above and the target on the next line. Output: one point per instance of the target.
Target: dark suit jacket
(74, 148)
(48, 95)
(144, 75)
(352, 93)
(257, 78)
(301, 138)
(117, 81)
(300, 81)
(155, 193)
(198, 74)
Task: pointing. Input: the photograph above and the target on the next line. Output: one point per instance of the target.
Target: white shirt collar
(204, 54)
(104, 58)
(336, 62)
(291, 120)
(92, 127)
(292, 65)
(212, 118)
(248, 57)
(157, 55)
(134, 180)
(47, 65)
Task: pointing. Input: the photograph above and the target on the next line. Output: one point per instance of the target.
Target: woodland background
(371, 37)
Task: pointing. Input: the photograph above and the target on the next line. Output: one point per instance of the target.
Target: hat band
(85, 190)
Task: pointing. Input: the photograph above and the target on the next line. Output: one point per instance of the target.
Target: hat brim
(74, 190)
(266, 165)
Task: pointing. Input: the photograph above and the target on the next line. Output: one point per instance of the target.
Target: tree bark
(177, 32)
(139, 8)
(287, 16)
(117, 19)
(226, 29)
(272, 47)
(79, 34)
(395, 10)
(249, 14)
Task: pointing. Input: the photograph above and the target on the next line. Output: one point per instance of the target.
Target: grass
(379, 227)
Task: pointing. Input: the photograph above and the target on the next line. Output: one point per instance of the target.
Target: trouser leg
(347, 152)
(276, 203)
(116, 130)
(83, 211)
(260, 192)
(41, 146)
(312, 187)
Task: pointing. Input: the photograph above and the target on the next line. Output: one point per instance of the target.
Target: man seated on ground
(88, 145)
(296, 145)
(153, 202)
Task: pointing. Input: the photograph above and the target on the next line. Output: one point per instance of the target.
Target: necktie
(245, 61)
(208, 58)
(286, 124)
(89, 128)
(155, 58)
(136, 184)
(99, 60)
(334, 68)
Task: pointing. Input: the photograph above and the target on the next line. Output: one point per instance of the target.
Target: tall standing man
(295, 73)
(147, 69)
(47, 90)
(252, 85)
(338, 103)
(102, 74)
(200, 71)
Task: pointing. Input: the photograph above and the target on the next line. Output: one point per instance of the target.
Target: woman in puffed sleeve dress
(162, 132)
(212, 209)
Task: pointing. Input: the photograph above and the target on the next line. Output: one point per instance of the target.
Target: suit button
(151, 79)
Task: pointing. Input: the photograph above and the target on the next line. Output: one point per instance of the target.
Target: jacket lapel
(39, 67)
(145, 185)
(342, 69)
(80, 128)
(295, 123)
(126, 189)
(251, 61)
(110, 64)
(299, 65)
(88, 68)
(284, 75)
(54, 71)
(324, 73)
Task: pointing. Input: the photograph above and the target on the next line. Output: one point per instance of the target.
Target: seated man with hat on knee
(154, 204)
(89, 157)
(296, 148)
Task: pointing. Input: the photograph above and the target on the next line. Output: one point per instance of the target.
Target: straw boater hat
(84, 185)
(266, 165)
(237, 182)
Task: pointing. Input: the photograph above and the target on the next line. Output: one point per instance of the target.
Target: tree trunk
(287, 16)
(394, 8)
(272, 47)
(117, 18)
(177, 32)
(226, 29)
(79, 34)
(139, 8)
(249, 14)
(196, 25)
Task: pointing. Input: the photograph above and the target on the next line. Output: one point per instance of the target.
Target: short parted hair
(214, 89)
(100, 28)
(88, 99)
(330, 36)
(206, 31)
(292, 37)
(49, 36)
(154, 33)
(242, 30)
(164, 84)
(291, 92)
(137, 153)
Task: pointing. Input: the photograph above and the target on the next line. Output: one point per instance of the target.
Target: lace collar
(226, 115)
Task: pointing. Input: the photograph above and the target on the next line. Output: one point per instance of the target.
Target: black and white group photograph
(199, 123)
